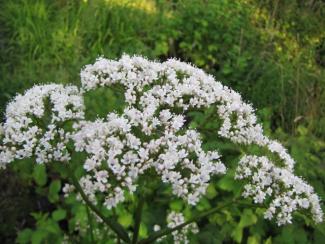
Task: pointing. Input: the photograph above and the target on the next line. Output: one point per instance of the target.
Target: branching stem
(115, 226)
(91, 229)
(137, 219)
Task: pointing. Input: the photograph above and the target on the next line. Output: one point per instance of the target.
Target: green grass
(262, 49)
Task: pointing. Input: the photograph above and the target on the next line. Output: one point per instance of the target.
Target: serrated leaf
(247, 218)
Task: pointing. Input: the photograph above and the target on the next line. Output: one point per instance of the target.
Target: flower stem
(115, 226)
(137, 220)
(91, 230)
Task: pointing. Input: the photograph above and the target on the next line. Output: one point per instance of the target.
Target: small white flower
(156, 227)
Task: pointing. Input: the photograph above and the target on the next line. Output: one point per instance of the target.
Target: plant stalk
(91, 229)
(137, 220)
(116, 227)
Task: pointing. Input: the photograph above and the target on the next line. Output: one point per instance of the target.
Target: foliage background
(271, 51)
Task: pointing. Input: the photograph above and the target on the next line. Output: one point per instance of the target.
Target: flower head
(152, 132)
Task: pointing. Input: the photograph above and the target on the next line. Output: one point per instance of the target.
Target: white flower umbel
(116, 153)
(34, 123)
(285, 191)
(150, 86)
(158, 95)
(115, 157)
(152, 132)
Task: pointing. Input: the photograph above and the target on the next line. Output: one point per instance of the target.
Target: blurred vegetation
(271, 51)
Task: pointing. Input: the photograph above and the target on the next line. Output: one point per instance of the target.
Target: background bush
(272, 52)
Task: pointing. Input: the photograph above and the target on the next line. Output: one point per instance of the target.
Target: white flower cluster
(151, 86)
(125, 157)
(175, 154)
(180, 236)
(113, 143)
(151, 133)
(34, 123)
(285, 191)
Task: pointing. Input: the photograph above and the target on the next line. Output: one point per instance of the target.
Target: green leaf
(318, 237)
(300, 235)
(209, 235)
(203, 204)
(228, 183)
(50, 226)
(253, 240)
(54, 190)
(176, 205)
(38, 236)
(125, 219)
(287, 235)
(211, 192)
(39, 174)
(24, 236)
(59, 214)
(39, 217)
(248, 218)
(268, 240)
(217, 218)
(237, 234)
(143, 231)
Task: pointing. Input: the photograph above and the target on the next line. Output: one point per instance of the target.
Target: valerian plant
(152, 139)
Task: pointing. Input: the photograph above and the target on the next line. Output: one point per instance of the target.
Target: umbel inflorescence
(152, 133)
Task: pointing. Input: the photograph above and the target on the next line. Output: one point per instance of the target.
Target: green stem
(116, 227)
(137, 220)
(167, 231)
(90, 225)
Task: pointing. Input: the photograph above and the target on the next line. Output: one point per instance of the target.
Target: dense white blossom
(113, 143)
(285, 191)
(151, 86)
(115, 153)
(152, 132)
(34, 123)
